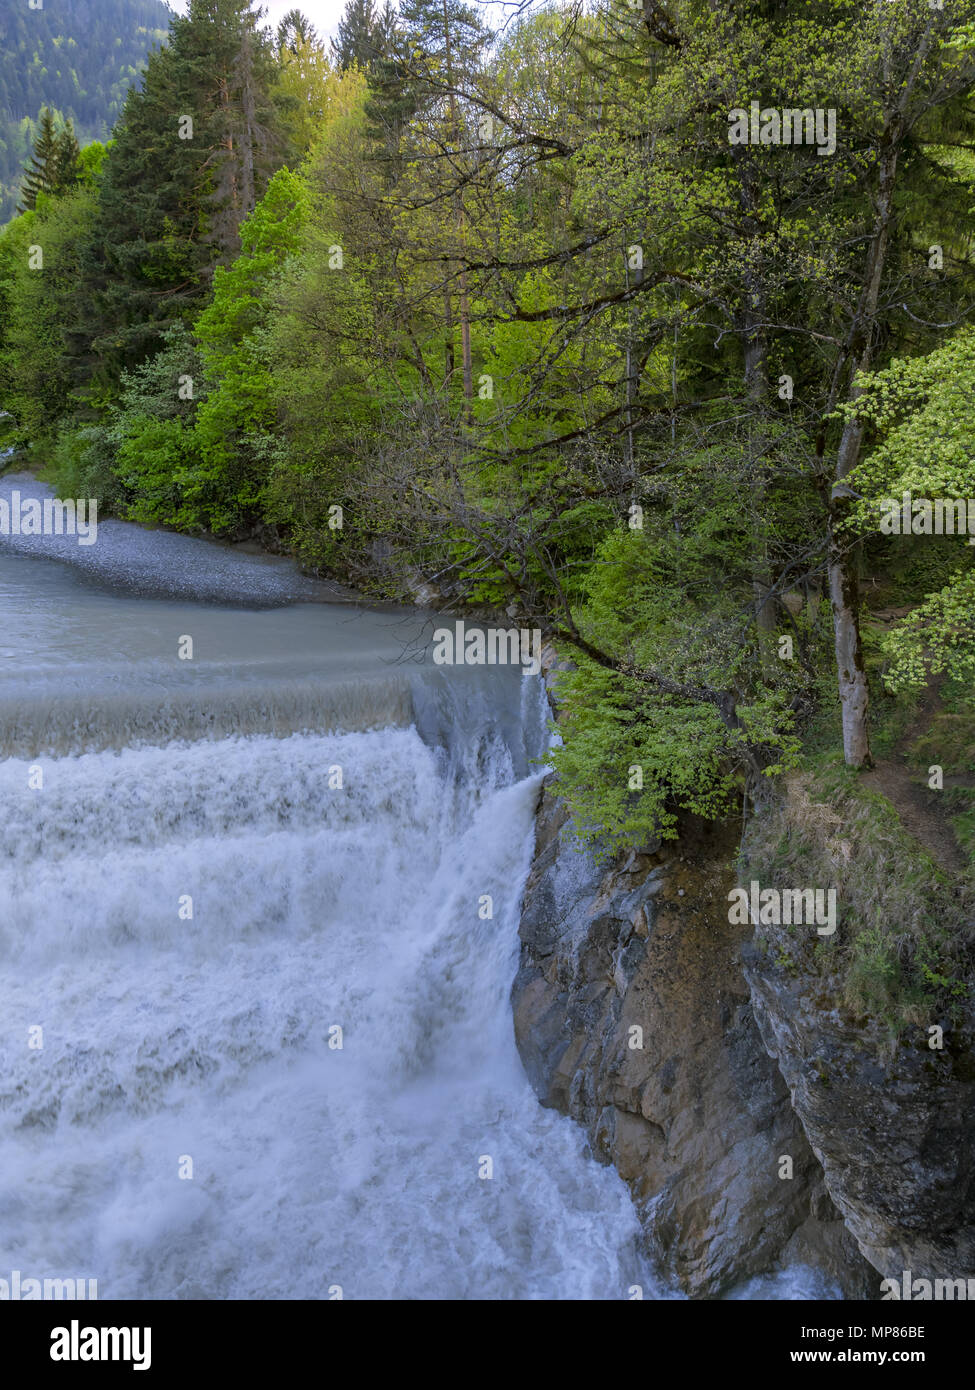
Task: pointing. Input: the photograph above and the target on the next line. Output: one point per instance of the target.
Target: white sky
(324, 14)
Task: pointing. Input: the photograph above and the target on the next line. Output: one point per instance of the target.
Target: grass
(949, 739)
(904, 950)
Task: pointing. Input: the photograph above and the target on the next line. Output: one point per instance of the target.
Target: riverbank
(156, 563)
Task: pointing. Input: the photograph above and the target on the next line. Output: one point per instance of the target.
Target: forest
(78, 59)
(558, 311)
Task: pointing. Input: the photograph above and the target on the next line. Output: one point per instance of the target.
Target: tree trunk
(465, 338)
(756, 384)
(844, 592)
(754, 337)
(248, 192)
(843, 557)
(448, 315)
(629, 396)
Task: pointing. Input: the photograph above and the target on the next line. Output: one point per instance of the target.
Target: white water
(313, 906)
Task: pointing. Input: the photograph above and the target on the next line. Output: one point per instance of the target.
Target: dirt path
(918, 810)
(921, 810)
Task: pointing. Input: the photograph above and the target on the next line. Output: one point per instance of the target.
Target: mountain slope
(77, 56)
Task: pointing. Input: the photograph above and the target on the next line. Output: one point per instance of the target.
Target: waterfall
(189, 922)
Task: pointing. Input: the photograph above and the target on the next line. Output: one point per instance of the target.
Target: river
(256, 1034)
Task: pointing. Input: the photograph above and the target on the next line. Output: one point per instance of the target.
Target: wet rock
(893, 1127)
(632, 1015)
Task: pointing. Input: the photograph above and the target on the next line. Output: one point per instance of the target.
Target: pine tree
(442, 32)
(68, 160)
(433, 45)
(192, 154)
(437, 51)
(364, 35)
(43, 169)
(295, 29)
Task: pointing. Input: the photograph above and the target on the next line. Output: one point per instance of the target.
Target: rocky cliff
(893, 1129)
(633, 1016)
(888, 1105)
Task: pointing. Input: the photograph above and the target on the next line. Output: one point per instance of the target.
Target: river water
(256, 1037)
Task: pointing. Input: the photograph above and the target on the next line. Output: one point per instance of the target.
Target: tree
(55, 165)
(68, 167)
(44, 170)
(910, 77)
(364, 34)
(234, 430)
(36, 377)
(295, 30)
(437, 49)
(920, 413)
(190, 157)
(310, 91)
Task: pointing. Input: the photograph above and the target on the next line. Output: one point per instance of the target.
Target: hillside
(78, 56)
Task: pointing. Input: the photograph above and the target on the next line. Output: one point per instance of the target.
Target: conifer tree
(43, 169)
(434, 45)
(294, 30)
(67, 159)
(192, 154)
(364, 35)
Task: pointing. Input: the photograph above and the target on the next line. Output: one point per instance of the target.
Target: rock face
(697, 1119)
(894, 1129)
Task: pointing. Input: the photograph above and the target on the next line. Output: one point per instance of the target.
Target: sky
(324, 14)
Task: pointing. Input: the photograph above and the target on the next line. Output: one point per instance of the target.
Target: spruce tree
(67, 160)
(192, 154)
(295, 29)
(43, 169)
(364, 35)
(435, 45)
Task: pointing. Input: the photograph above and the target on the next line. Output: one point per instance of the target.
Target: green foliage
(903, 950)
(234, 428)
(55, 165)
(157, 464)
(923, 413)
(938, 636)
(191, 156)
(141, 458)
(364, 34)
(79, 58)
(41, 307)
(455, 309)
(328, 395)
(638, 752)
(81, 462)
